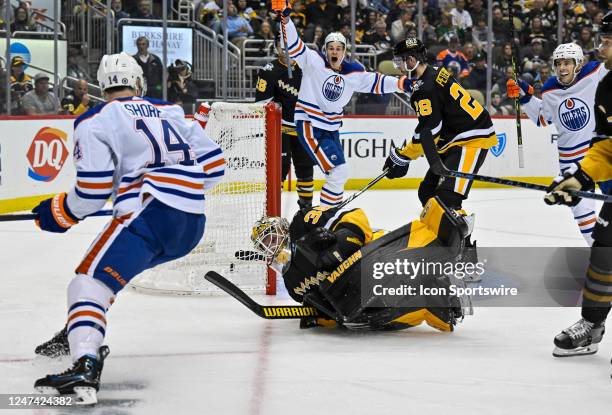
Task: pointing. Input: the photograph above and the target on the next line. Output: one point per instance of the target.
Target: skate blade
(579, 351)
(85, 395)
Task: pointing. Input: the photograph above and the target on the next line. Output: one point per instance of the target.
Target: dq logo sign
(498, 149)
(47, 154)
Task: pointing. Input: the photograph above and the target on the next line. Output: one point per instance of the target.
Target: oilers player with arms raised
(274, 84)
(584, 336)
(328, 84)
(460, 126)
(156, 167)
(567, 103)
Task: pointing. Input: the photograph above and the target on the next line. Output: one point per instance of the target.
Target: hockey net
(249, 135)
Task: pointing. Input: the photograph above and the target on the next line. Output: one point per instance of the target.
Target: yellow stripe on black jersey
(598, 161)
(454, 117)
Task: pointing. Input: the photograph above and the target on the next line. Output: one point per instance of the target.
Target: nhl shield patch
(501, 145)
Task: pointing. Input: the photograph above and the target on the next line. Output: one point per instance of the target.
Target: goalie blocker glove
(573, 178)
(396, 165)
(54, 215)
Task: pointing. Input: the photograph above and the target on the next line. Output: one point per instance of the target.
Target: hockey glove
(321, 238)
(201, 114)
(279, 5)
(396, 165)
(523, 91)
(573, 179)
(53, 215)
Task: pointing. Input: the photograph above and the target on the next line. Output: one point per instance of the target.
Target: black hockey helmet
(410, 47)
(606, 25)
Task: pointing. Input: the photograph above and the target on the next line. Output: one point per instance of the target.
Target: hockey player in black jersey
(460, 126)
(273, 84)
(324, 255)
(583, 337)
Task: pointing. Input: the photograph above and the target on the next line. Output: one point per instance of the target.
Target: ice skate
(82, 380)
(579, 339)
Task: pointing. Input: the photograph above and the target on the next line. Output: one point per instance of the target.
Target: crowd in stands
(454, 31)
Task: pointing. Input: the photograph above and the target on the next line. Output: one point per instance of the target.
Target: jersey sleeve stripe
(83, 195)
(319, 113)
(584, 143)
(216, 163)
(170, 180)
(316, 107)
(300, 48)
(179, 172)
(108, 173)
(92, 185)
(321, 120)
(175, 192)
(575, 153)
(210, 154)
(126, 196)
(374, 83)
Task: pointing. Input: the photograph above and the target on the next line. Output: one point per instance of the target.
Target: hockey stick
(286, 46)
(31, 216)
(271, 312)
(366, 187)
(438, 167)
(517, 104)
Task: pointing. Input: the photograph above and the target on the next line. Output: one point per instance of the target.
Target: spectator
(500, 107)
(477, 78)
(585, 41)
(345, 29)
(469, 51)
(244, 10)
(477, 10)
(264, 34)
(461, 19)
(74, 68)
(182, 89)
(238, 28)
(398, 27)
(535, 30)
(480, 33)
(501, 26)
(367, 26)
(394, 14)
(40, 101)
(452, 54)
(381, 41)
(543, 12)
(323, 12)
(318, 37)
(504, 59)
(22, 21)
(21, 83)
(535, 57)
(77, 102)
(262, 16)
(445, 28)
(209, 15)
(143, 10)
(3, 11)
(152, 67)
(298, 14)
(117, 7)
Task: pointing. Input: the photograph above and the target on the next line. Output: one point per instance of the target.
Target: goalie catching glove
(53, 215)
(573, 179)
(396, 165)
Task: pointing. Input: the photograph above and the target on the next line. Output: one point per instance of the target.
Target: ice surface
(213, 356)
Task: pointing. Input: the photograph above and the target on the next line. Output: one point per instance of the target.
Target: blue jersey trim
(317, 118)
(175, 192)
(584, 143)
(209, 155)
(125, 196)
(553, 83)
(90, 196)
(107, 173)
(86, 304)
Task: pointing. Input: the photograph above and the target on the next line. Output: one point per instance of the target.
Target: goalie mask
(270, 236)
(406, 48)
(568, 51)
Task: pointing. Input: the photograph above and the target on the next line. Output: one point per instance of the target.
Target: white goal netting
(232, 207)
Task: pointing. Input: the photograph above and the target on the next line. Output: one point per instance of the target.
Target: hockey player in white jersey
(328, 84)
(155, 166)
(567, 103)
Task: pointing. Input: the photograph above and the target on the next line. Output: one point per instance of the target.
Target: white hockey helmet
(121, 70)
(335, 37)
(568, 51)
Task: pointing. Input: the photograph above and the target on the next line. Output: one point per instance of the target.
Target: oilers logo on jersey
(574, 114)
(333, 87)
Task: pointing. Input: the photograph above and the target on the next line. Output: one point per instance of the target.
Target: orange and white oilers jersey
(324, 92)
(571, 110)
(131, 147)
